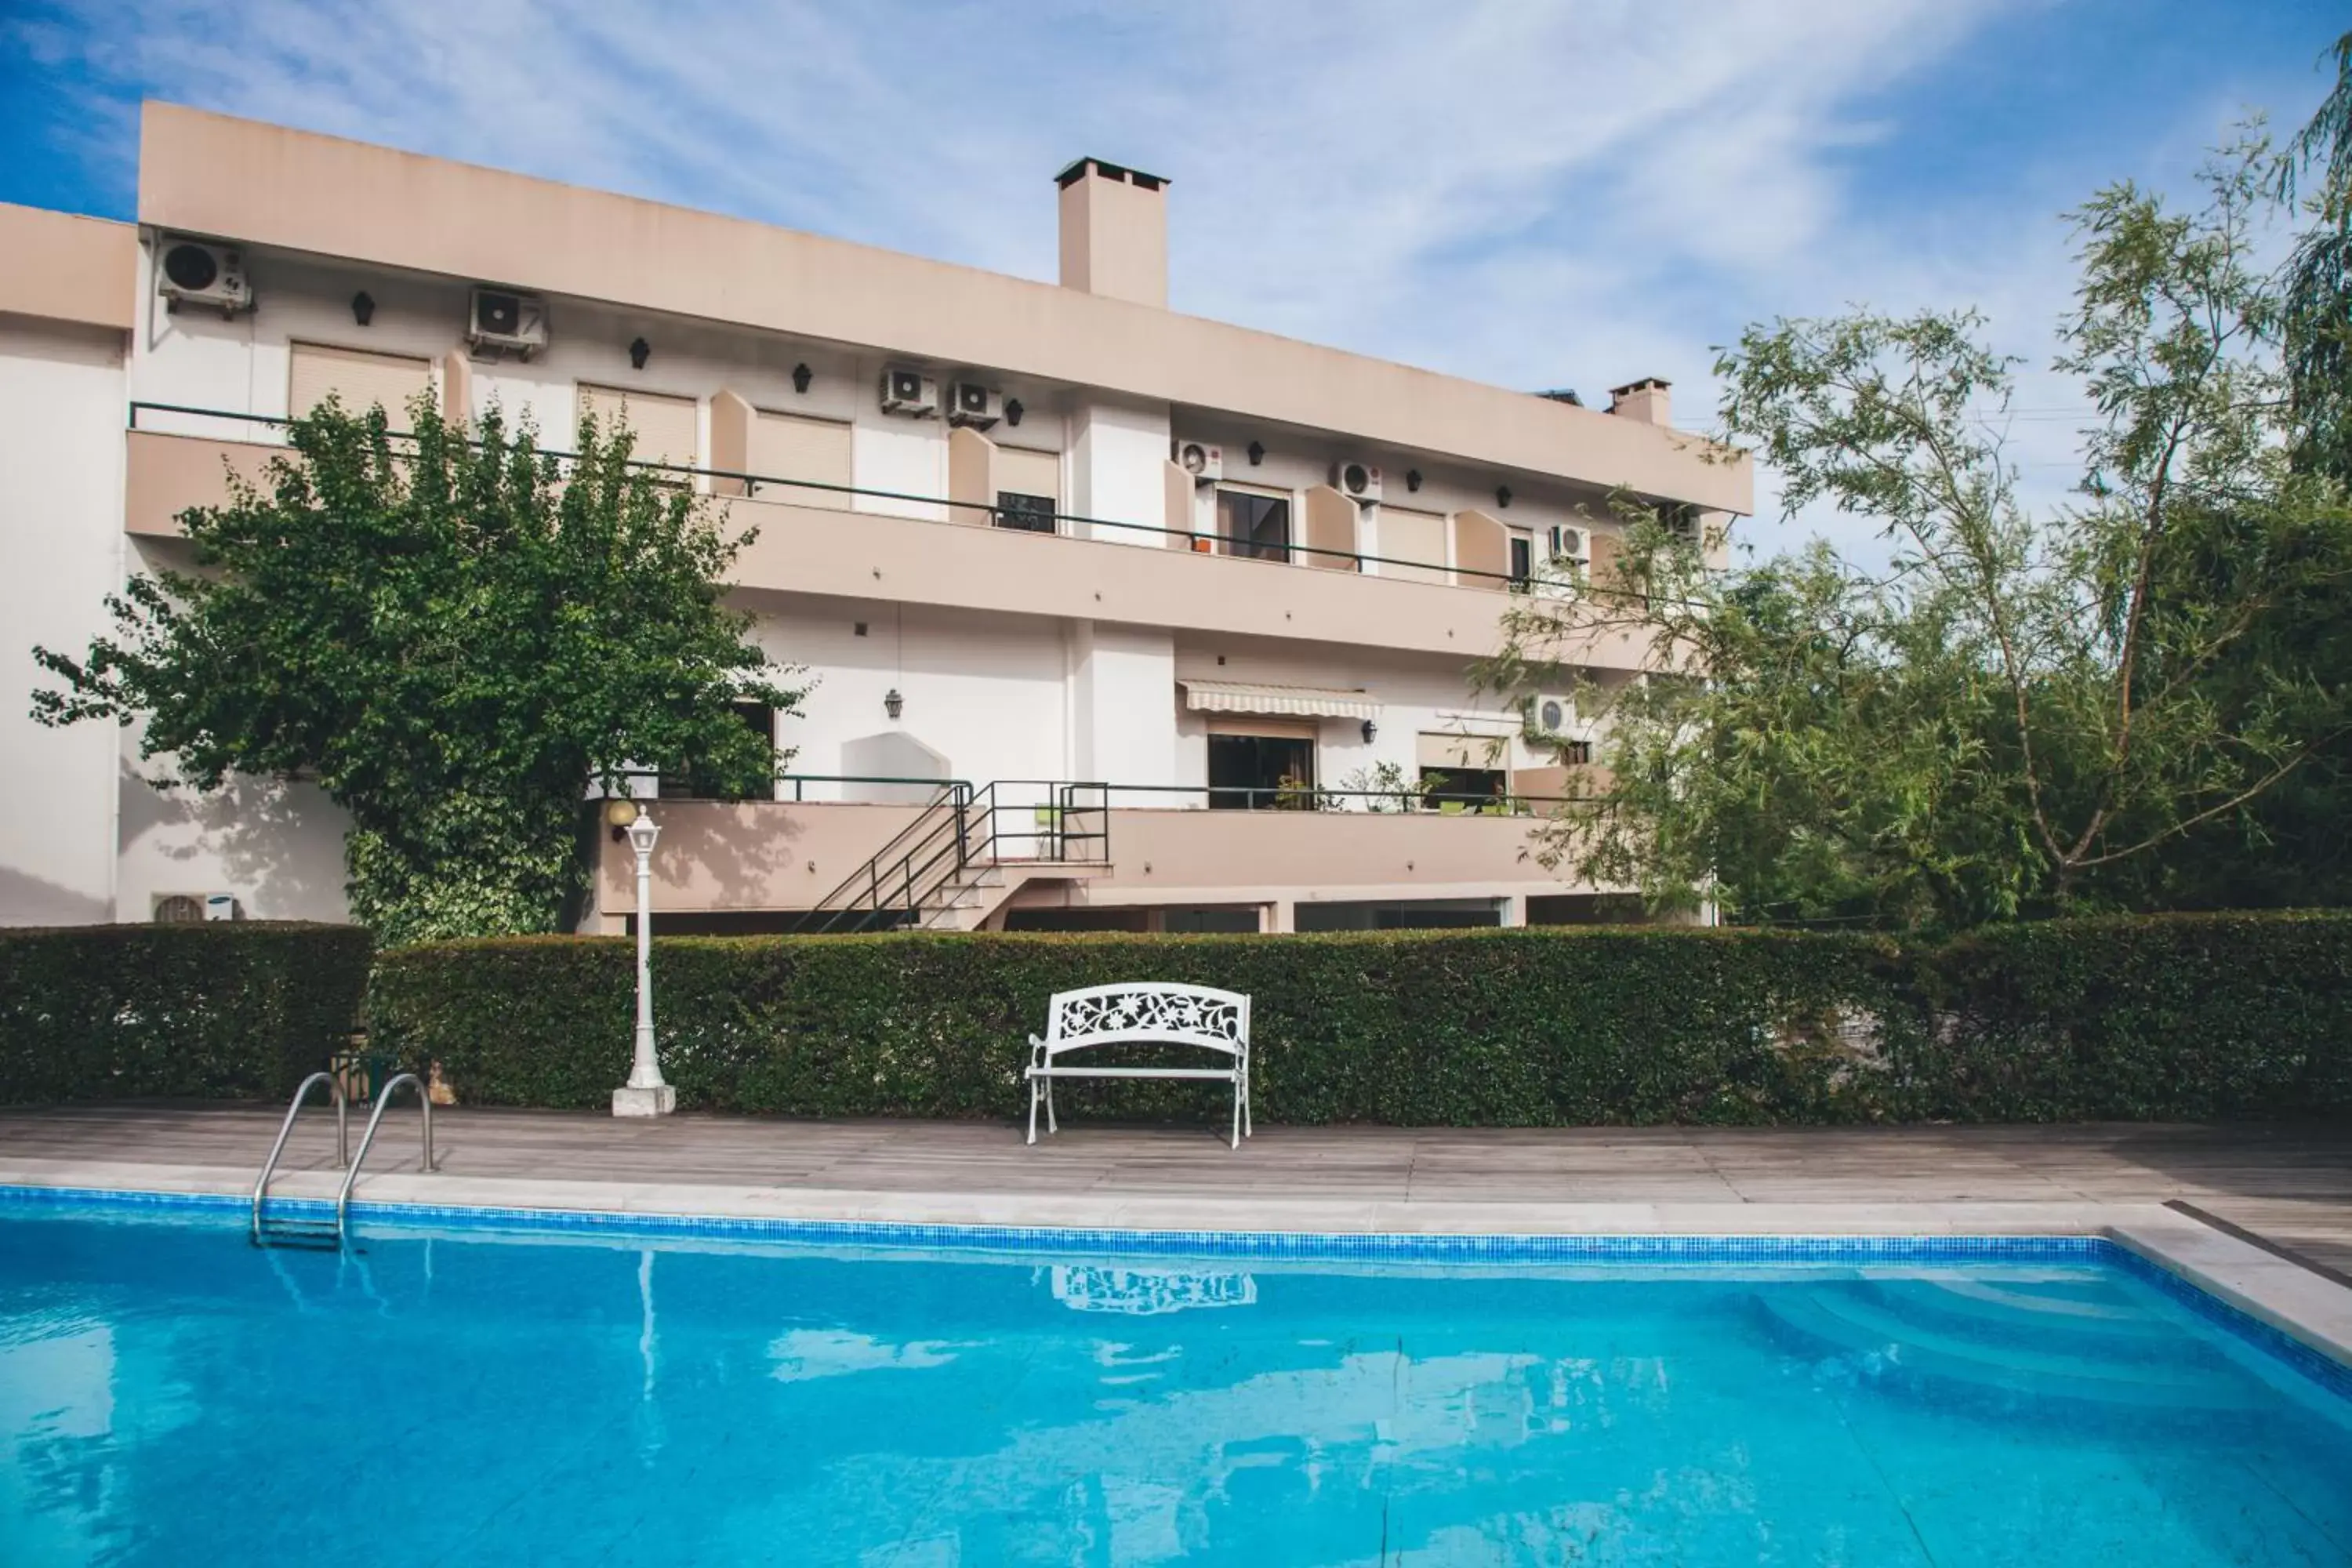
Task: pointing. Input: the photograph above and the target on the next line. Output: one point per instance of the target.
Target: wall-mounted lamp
(1503, 495)
(1256, 453)
(802, 377)
(1413, 479)
(639, 351)
(362, 307)
(1014, 411)
(1370, 731)
(892, 704)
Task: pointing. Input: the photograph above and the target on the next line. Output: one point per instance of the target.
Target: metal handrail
(1311, 797)
(382, 1101)
(1490, 581)
(285, 1128)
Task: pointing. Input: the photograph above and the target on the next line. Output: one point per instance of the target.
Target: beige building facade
(1136, 614)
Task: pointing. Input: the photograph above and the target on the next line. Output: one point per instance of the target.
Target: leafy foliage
(218, 1010)
(2030, 712)
(2127, 1018)
(453, 638)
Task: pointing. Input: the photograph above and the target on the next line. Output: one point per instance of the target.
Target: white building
(1155, 565)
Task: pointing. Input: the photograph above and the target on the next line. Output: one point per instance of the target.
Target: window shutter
(668, 429)
(792, 447)
(1413, 536)
(361, 379)
(1029, 473)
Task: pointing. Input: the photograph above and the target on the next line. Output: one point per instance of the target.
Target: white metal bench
(1149, 1012)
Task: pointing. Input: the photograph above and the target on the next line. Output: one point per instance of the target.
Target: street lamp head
(643, 831)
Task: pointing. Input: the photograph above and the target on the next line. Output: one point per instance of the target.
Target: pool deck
(2261, 1215)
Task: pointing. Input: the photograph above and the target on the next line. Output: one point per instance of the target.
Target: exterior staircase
(965, 856)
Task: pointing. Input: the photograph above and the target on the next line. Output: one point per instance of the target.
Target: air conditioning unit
(1569, 544)
(1359, 482)
(971, 404)
(501, 323)
(1552, 716)
(910, 393)
(196, 272)
(1204, 460)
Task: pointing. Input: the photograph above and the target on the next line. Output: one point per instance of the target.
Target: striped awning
(1299, 701)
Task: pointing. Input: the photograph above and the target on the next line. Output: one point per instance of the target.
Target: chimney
(1647, 400)
(1114, 232)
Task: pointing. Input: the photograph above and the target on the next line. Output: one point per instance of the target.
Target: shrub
(231, 1010)
(2138, 1017)
(1489, 1029)
(2181, 1017)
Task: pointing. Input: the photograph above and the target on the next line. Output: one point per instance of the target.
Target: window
(695, 784)
(1523, 564)
(1031, 514)
(1464, 788)
(1255, 525)
(1028, 488)
(1256, 772)
(360, 379)
(1576, 754)
(668, 429)
(792, 447)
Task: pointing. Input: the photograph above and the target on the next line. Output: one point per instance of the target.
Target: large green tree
(454, 634)
(2032, 709)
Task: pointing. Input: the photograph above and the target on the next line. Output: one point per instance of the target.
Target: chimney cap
(1109, 171)
(1643, 384)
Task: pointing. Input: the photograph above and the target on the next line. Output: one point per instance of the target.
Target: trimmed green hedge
(2128, 1019)
(227, 1010)
(2187, 1017)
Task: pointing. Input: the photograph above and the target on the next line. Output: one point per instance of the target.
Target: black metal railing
(1013, 520)
(927, 866)
(1434, 801)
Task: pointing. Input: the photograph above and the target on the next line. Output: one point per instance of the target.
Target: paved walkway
(2289, 1186)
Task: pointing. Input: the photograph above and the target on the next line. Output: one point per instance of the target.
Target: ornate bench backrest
(1153, 1010)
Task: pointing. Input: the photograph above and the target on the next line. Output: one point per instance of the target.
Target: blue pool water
(170, 1394)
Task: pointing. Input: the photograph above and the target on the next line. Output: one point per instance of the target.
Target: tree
(2031, 710)
(453, 639)
(2317, 296)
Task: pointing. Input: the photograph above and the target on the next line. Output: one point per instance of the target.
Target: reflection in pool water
(170, 1395)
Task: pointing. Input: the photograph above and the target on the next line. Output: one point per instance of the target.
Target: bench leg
(1051, 1125)
(1237, 1110)
(1032, 1110)
(1247, 1130)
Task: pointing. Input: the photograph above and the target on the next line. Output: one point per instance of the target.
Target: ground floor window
(1423, 914)
(1144, 919)
(1257, 773)
(1586, 909)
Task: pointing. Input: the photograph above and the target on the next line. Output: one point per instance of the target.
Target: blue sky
(1548, 192)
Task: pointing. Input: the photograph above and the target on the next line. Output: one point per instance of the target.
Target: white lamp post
(645, 1094)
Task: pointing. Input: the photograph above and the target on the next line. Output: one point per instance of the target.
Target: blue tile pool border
(1368, 1247)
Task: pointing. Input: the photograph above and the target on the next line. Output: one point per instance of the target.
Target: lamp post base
(659, 1100)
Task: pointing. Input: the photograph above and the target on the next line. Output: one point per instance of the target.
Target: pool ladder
(266, 1232)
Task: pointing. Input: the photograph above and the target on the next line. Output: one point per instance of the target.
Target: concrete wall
(60, 555)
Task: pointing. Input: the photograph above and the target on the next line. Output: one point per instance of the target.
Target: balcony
(779, 856)
(1126, 573)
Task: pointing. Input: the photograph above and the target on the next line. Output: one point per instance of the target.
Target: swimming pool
(170, 1394)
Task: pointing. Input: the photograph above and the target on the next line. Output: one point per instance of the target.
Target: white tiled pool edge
(2307, 1307)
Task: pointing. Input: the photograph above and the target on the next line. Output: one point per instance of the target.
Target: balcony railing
(1015, 519)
